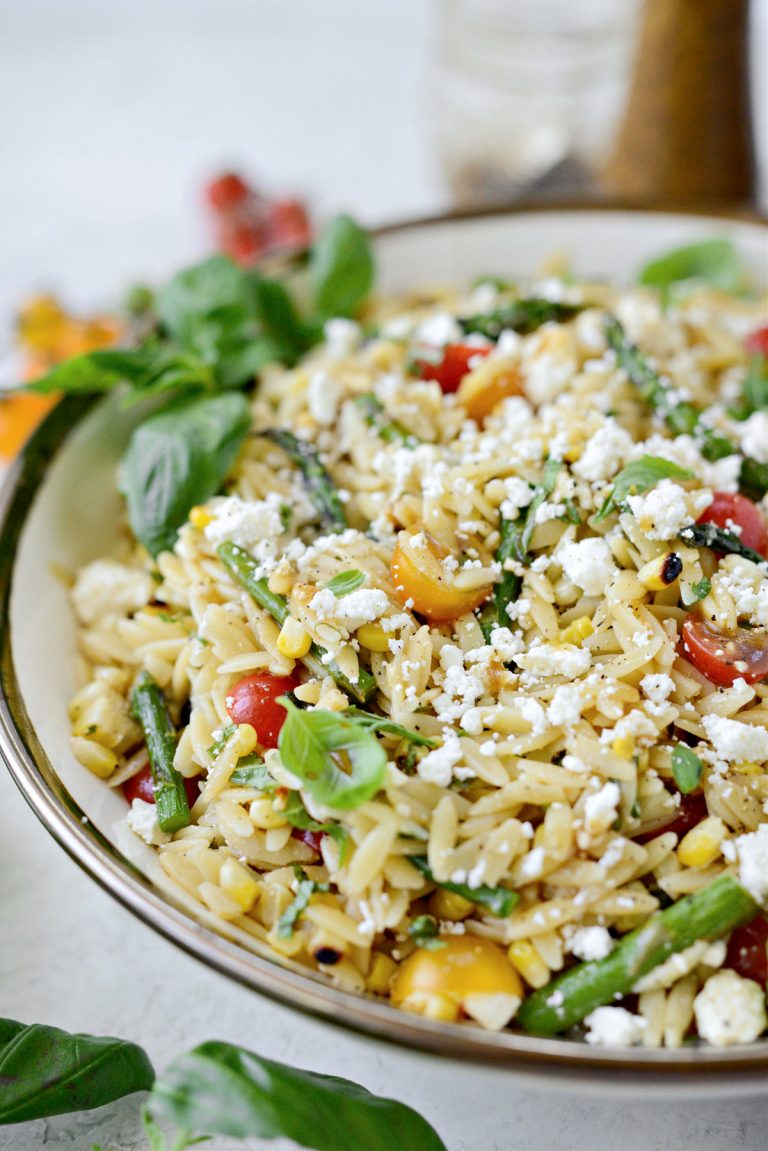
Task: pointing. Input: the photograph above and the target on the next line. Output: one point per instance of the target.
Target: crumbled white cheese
(604, 453)
(736, 742)
(614, 1027)
(532, 864)
(342, 337)
(730, 1009)
(751, 850)
(658, 688)
(437, 765)
(667, 508)
(600, 808)
(518, 495)
(745, 582)
(439, 329)
(323, 395)
(246, 522)
(754, 437)
(565, 707)
(106, 587)
(555, 659)
(506, 643)
(588, 564)
(591, 943)
(142, 819)
(362, 606)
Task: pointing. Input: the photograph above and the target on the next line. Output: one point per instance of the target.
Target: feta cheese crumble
(614, 1027)
(591, 943)
(730, 1009)
(666, 509)
(736, 742)
(437, 765)
(142, 820)
(588, 564)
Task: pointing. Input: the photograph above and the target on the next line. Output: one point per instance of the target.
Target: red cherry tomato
(757, 342)
(312, 839)
(254, 700)
(451, 369)
(728, 510)
(227, 191)
(692, 809)
(242, 239)
(288, 225)
(748, 950)
(140, 786)
(723, 657)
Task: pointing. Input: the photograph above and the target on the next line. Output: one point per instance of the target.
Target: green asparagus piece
(240, 565)
(707, 914)
(681, 417)
(387, 429)
(320, 486)
(500, 901)
(522, 316)
(711, 536)
(149, 708)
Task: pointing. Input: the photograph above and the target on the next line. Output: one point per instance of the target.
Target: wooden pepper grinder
(686, 136)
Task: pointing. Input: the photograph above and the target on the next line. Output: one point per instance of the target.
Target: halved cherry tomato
(227, 191)
(748, 950)
(692, 810)
(723, 657)
(288, 225)
(480, 396)
(141, 786)
(254, 700)
(422, 581)
(757, 342)
(450, 368)
(729, 508)
(312, 839)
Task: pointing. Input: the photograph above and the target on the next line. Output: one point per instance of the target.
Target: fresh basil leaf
(372, 722)
(220, 743)
(686, 768)
(424, 932)
(227, 1090)
(712, 262)
(339, 764)
(754, 390)
(500, 901)
(341, 268)
(297, 815)
(320, 486)
(346, 582)
(149, 369)
(542, 492)
(305, 889)
(390, 431)
(640, 476)
(178, 458)
(711, 536)
(45, 1071)
(694, 592)
(252, 771)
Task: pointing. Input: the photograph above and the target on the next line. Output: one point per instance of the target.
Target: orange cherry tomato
(448, 365)
(253, 700)
(480, 397)
(724, 657)
(20, 413)
(729, 510)
(423, 581)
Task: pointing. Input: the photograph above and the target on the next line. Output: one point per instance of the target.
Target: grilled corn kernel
(526, 960)
(701, 846)
(624, 746)
(577, 631)
(99, 760)
(200, 517)
(238, 883)
(372, 637)
(661, 572)
(294, 640)
(246, 739)
(448, 905)
(380, 975)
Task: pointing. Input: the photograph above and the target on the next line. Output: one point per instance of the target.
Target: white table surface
(110, 116)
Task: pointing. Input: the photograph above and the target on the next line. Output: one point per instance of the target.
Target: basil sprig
(500, 901)
(686, 768)
(371, 722)
(714, 263)
(640, 476)
(305, 889)
(339, 763)
(346, 582)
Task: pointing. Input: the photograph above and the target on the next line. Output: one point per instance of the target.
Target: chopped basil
(686, 768)
(339, 763)
(305, 889)
(640, 476)
(252, 771)
(500, 901)
(424, 932)
(697, 591)
(346, 582)
(366, 719)
(709, 262)
(219, 744)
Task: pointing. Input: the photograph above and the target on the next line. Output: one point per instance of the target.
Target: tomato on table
(448, 365)
(141, 786)
(723, 657)
(729, 510)
(748, 950)
(254, 699)
(757, 342)
(227, 191)
(288, 225)
(423, 581)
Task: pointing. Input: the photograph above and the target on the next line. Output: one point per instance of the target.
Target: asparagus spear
(500, 901)
(707, 914)
(150, 710)
(681, 417)
(711, 536)
(522, 316)
(387, 429)
(243, 568)
(320, 486)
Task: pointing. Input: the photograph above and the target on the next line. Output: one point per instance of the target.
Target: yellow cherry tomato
(19, 415)
(483, 389)
(464, 965)
(423, 581)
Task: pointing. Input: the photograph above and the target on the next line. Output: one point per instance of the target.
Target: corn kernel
(449, 905)
(200, 517)
(373, 637)
(382, 970)
(294, 641)
(747, 769)
(246, 739)
(526, 960)
(238, 883)
(263, 814)
(624, 746)
(701, 846)
(438, 1007)
(99, 760)
(577, 631)
(661, 572)
(308, 692)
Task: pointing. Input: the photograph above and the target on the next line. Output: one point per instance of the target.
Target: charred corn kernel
(701, 846)
(246, 738)
(448, 905)
(238, 883)
(99, 760)
(294, 640)
(661, 572)
(372, 637)
(624, 746)
(577, 631)
(380, 975)
(200, 517)
(438, 1007)
(747, 769)
(526, 960)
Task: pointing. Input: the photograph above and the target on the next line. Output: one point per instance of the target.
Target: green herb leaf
(219, 744)
(305, 889)
(149, 369)
(226, 1090)
(754, 390)
(640, 476)
(697, 591)
(346, 582)
(341, 268)
(424, 932)
(711, 536)
(713, 262)
(297, 815)
(500, 901)
(45, 1071)
(252, 771)
(390, 431)
(339, 763)
(371, 722)
(178, 458)
(686, 768)
(320, 486)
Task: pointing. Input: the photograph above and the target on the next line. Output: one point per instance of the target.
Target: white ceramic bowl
(60, 509)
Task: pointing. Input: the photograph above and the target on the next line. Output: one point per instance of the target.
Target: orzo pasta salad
(445, 674)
